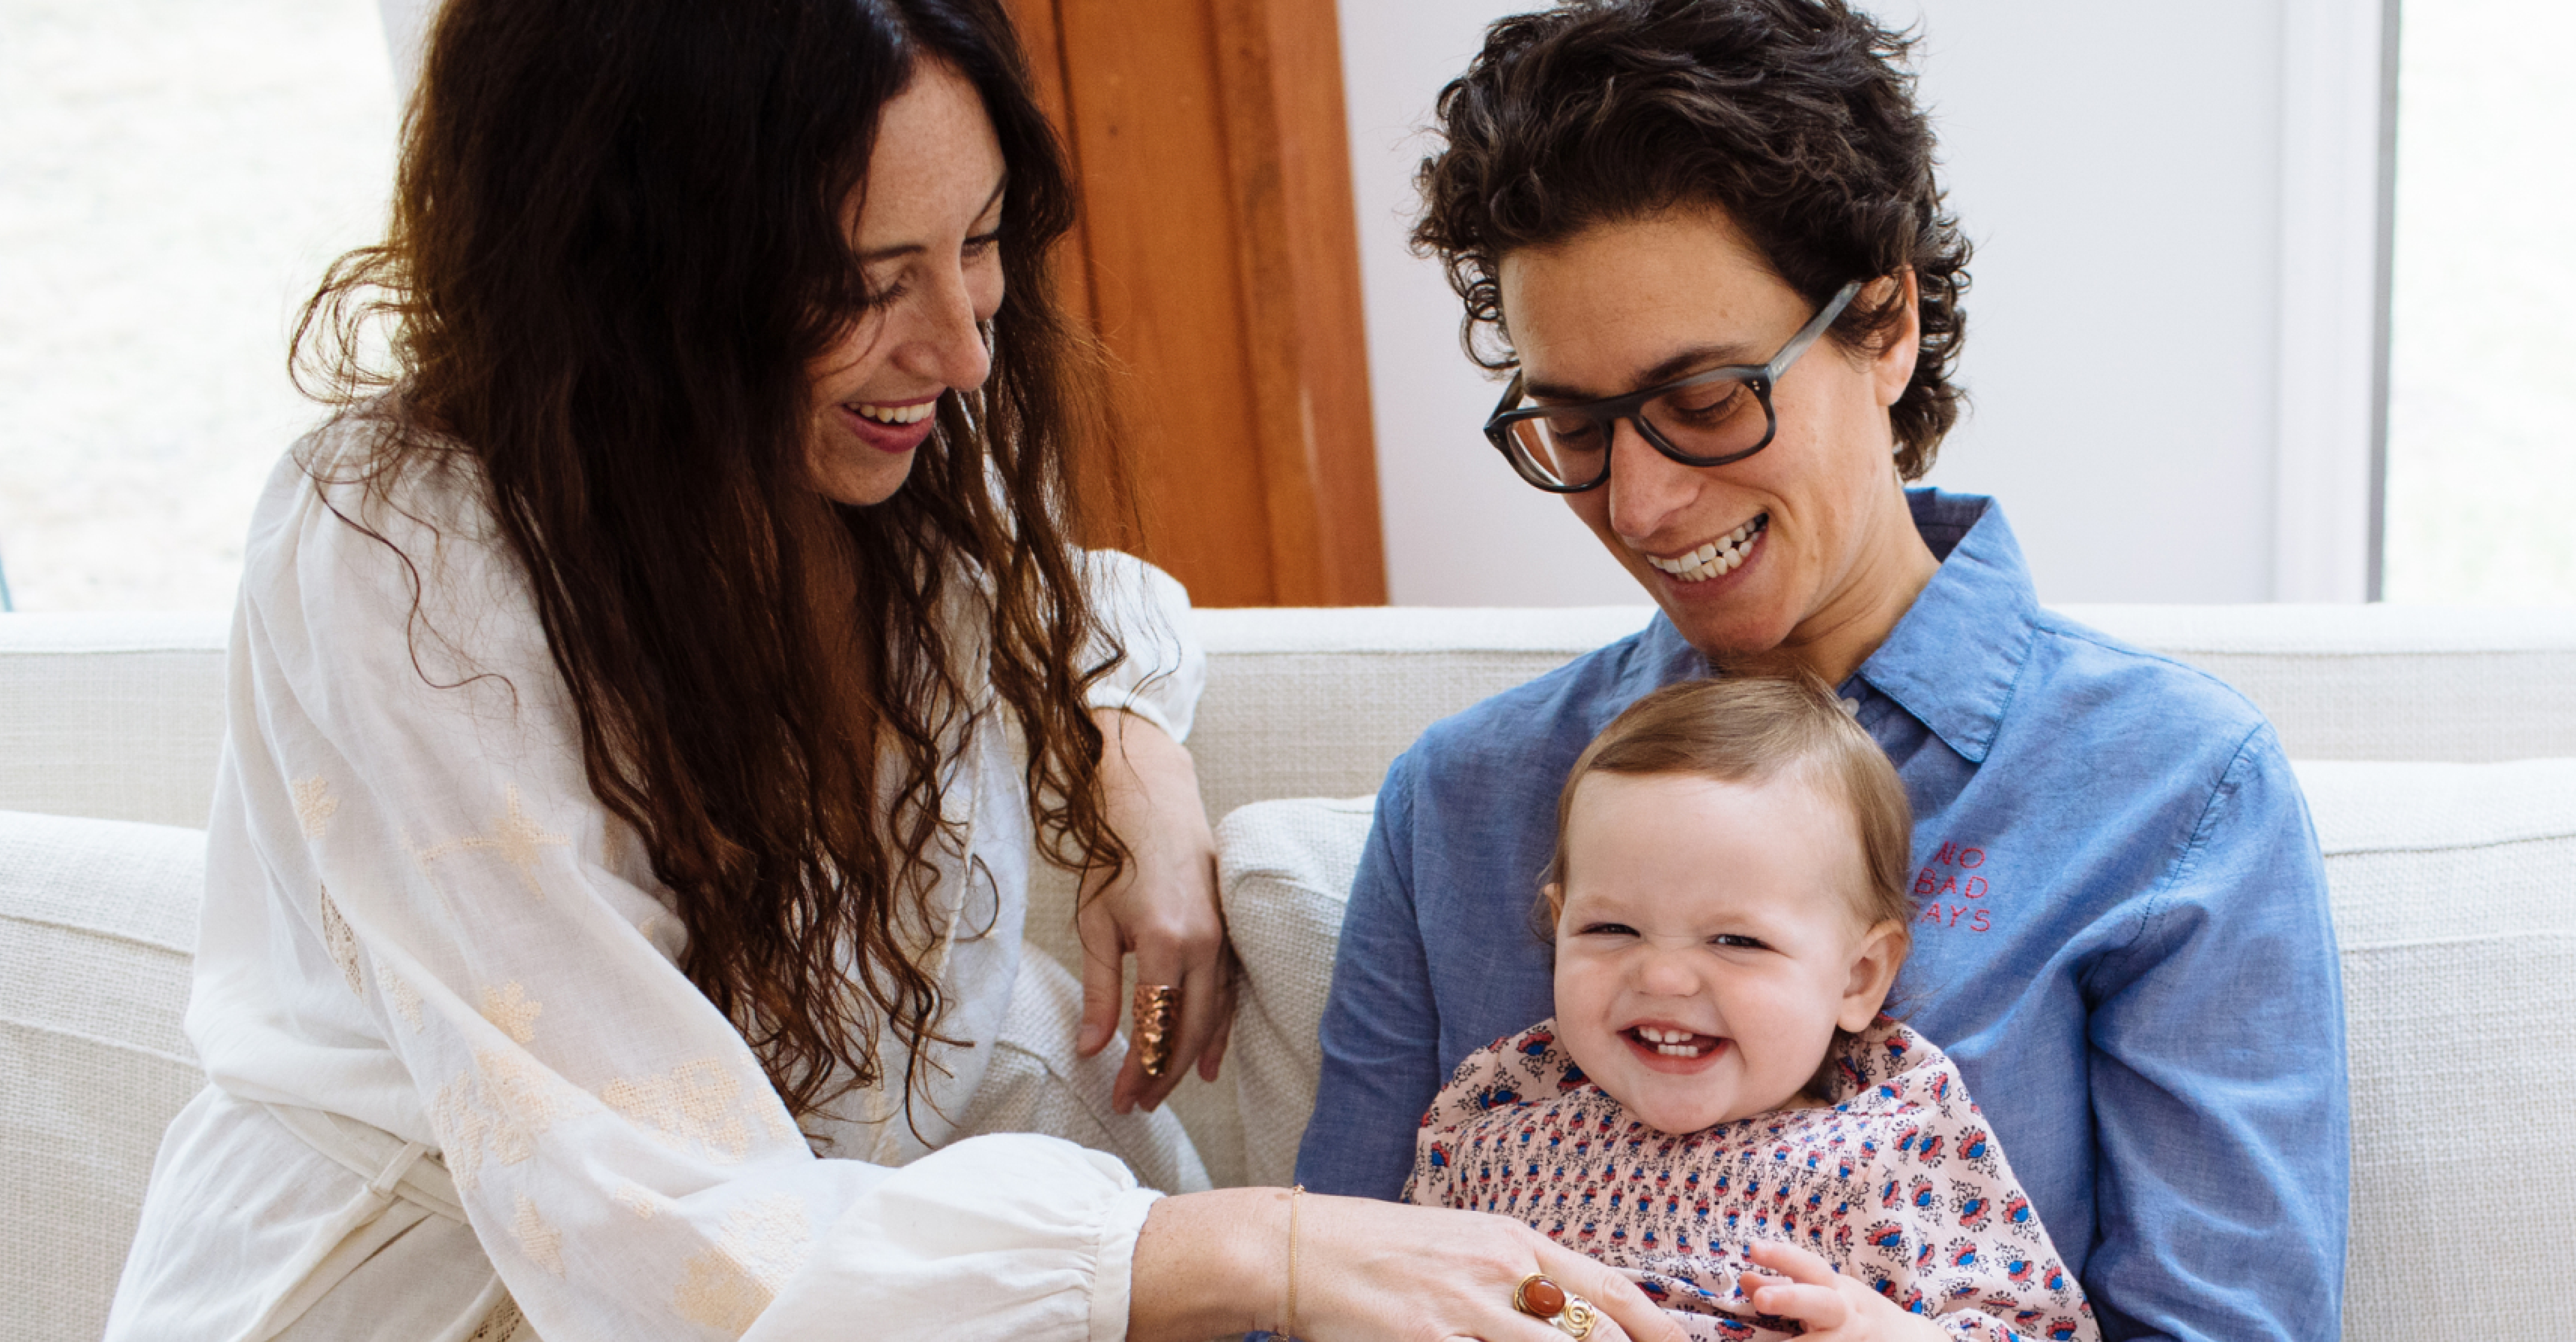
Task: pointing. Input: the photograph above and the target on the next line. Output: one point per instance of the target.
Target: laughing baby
(1719, 1108)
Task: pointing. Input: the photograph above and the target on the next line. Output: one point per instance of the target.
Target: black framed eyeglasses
(1709, 418)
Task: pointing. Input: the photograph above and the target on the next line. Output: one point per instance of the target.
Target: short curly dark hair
(1795, 117)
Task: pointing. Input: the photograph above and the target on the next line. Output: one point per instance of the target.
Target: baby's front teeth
(1670, 1043)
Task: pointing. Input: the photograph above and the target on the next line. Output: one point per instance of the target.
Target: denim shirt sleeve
(1381, 1031)
(2218, 1083)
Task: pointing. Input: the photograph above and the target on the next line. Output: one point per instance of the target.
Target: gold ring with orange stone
(1552, 1304)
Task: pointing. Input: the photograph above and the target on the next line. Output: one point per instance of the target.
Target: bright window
(173, 177)
(2482, 368)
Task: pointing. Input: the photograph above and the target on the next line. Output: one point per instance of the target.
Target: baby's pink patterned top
(1899, 1183)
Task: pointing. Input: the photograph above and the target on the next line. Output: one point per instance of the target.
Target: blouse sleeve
(435, 853)
(1144, 612)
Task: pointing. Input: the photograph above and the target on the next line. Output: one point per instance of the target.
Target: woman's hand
(1162, 909)
(1834, 1307)
(1366, 1271)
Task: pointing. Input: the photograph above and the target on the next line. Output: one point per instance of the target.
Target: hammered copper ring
(1554, 1305)
(1158, 1014)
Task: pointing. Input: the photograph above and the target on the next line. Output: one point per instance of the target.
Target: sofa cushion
(118, 716)
(1284, 869)
(2454, 889)
(1316, 703)
(2455, 905)
(2380, 682)
(97, 920)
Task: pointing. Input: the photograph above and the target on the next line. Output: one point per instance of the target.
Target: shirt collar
(1953, 659)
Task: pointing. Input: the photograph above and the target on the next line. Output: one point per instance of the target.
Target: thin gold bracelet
(1289, 1325)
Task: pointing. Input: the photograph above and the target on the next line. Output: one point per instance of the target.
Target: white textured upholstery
(2455, 904)
(120, 716)
(97, 920)
(1316, 703)
(113, 716)
(1285, 870)
(1306, 703)
(2380, 682)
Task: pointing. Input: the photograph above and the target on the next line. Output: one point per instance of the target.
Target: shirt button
(1851, 706)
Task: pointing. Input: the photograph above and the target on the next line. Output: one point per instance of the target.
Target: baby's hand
(1834, 1307)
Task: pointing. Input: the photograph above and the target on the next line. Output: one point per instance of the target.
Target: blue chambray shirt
(2123, 938)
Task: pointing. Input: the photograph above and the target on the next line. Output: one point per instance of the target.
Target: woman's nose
(1646, 487)
(946, 342)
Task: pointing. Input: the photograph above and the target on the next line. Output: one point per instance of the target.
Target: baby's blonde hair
(1752, 729)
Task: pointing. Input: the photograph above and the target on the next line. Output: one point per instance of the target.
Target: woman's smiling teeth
(1721, 556)
(1673, 1043)
(894, 414)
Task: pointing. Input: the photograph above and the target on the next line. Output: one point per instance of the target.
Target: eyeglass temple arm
(1808, 334)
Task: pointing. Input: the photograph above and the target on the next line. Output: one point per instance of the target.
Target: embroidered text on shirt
(1951, 875)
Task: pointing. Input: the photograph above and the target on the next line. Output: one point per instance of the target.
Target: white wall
(2123, 180)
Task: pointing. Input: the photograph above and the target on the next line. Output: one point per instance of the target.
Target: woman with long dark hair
(649, 693)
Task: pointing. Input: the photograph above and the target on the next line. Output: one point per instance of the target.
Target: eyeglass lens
(1709, 419)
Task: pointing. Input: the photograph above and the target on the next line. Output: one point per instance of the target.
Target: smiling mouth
(897, 415)
(1719, 557)
(1673, 1043)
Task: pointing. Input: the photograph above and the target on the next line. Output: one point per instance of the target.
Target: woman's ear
(1873, 972)
(1554, 893)
(1892, 368)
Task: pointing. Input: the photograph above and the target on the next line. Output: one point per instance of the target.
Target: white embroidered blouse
(419, 916)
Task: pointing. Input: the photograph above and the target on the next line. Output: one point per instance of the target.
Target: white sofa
(2438, 749)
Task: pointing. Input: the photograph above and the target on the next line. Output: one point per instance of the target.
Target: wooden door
(1219, 259)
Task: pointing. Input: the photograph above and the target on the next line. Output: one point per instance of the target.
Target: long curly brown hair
(617, 240)
(1795, 117)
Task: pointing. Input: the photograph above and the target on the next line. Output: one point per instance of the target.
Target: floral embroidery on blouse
(502, 1104)
(759, 1248)
(698, 1101)
(314, 806)
(404, 997)
(511, 1009)
(518, 839)
(1899, 1183)
(637, 1199)
(342, 942)
(541, 1242)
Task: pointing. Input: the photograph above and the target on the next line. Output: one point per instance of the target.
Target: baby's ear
(1873, 971)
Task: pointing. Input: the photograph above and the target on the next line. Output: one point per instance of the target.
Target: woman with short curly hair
(1707, 240)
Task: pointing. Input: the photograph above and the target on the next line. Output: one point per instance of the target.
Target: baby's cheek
(1584, 998)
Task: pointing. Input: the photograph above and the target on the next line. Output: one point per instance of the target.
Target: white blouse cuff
(1012, 1236)
(1113, 1278)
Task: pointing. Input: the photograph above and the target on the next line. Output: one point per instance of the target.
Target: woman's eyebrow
(915, 248)
(1690, 360)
